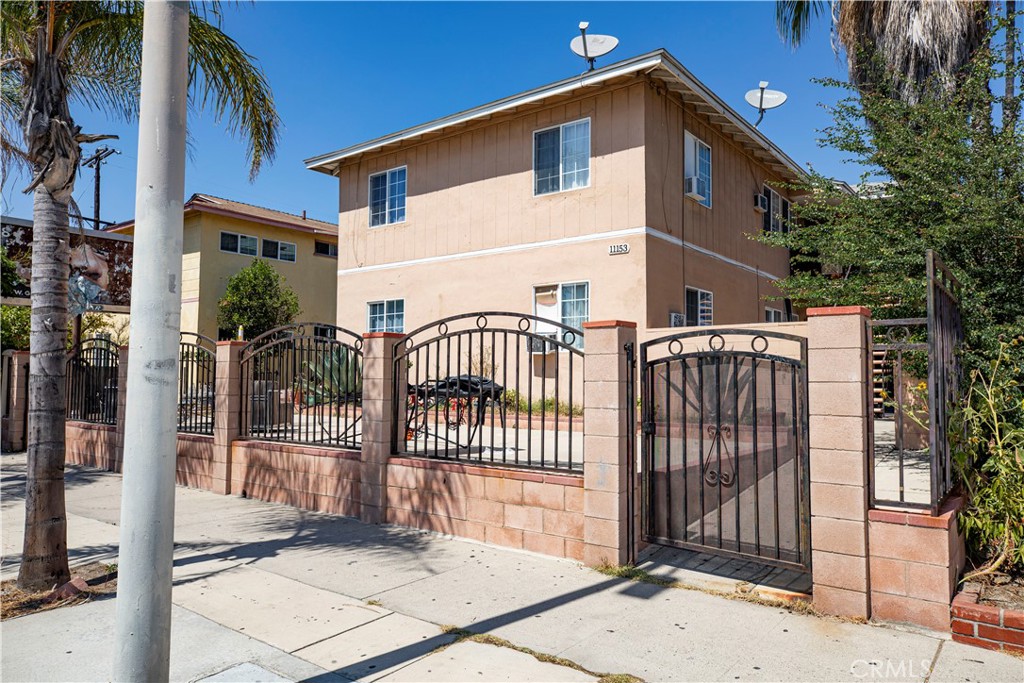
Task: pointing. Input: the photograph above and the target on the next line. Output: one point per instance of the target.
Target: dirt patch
(1002, 591)
(14, 602)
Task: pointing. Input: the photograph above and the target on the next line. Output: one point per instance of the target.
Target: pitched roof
(208, 203)
(659, 64)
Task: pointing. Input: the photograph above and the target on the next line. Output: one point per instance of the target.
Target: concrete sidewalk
(265, 592)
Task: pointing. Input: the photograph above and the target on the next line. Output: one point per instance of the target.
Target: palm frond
(793, 18)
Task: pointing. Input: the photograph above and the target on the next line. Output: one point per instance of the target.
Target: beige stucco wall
(473, 189)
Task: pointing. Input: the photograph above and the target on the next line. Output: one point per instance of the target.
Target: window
(774, 315)
(386, 316)
(280, 251)
(699, 307)
(561, 157)
(697, 164)
(387, 197)
(325, 249)
(322, 331)
(567, 303)
(234, 243)
(776, 219)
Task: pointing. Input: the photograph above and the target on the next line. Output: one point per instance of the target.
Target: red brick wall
(195, 461)
(915, 562)
(308, 477)
(530, 510)
(986, 626)
(92, 444)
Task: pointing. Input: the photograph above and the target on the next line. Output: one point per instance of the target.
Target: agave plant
(333, 377)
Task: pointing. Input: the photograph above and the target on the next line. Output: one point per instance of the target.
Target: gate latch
(648, 428)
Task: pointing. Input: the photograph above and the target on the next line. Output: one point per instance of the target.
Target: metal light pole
(143, 631)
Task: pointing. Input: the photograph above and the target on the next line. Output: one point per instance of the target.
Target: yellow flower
(921, 386)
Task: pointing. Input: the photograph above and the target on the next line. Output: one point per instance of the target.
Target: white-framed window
(567, 303)
(776, 219)
(386, 316)
(235, 243)
(387, 197)
(697, 164)
(774, 315)
(277, 250)
(561, 157)
(700, 307)
(325, 248)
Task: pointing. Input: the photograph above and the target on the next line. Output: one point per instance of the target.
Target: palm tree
(90, 53)
(917, 41)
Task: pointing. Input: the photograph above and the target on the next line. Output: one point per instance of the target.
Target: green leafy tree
(14, 327)
(257, 299)
(9, 278)
(90, 53)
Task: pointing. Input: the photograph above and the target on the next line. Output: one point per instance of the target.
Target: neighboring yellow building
(223, 236)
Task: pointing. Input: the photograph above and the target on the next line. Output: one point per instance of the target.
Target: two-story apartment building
(222, 237)
(628, 192)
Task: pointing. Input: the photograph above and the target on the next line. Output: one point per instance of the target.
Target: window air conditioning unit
(696, 188)
(543, 346)
(676, 319)
(760, 203)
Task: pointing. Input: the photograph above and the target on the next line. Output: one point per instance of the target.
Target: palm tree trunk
(44, 560)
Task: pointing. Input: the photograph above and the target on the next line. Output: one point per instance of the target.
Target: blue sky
(347, 72)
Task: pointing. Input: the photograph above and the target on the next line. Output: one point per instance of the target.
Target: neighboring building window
(325, 249)
(322, 331)
(776, 219)
(561, 157)
(280, 251)
(234, 243)
(697, 164)
(774, 315)
(387, 197)
(567, 303)
(386, 316)
(699, 307)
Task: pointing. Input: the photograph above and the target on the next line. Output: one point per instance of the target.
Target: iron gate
(725, 454)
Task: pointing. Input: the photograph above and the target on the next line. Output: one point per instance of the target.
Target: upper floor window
(697, 169)
(699, 307)
(234, 243)
(325, 249)
(774, 315)
(776, 219)
(386, 316)
(280, 251)
(387, 197)
(561, 157)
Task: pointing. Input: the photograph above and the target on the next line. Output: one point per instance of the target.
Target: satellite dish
(592, 47)
(763, 99)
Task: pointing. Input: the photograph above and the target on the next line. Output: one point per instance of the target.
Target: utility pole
(142, 636)
(94, 162)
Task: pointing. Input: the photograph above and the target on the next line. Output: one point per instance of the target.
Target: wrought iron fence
(196, 383)
(92, 381)
(494, 388)
(916, 377)
(303, 383)
(725, 425)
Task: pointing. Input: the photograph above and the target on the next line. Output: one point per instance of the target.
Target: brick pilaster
(122, 403)
(17, 401)
(606, 432)
(377, 420)
(227, 412)
(841, 431)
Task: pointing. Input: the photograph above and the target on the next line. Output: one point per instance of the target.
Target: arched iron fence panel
(303, 383)
(493, 388)
(197, 376)
(725, 450)
(92, 381)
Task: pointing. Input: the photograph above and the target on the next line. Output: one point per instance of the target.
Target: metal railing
(197, 373)
(303, 383)
(916, 378)
(726, 447)
(491, 388)
(92, 368)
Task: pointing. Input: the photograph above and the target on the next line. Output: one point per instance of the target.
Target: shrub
(257, 299)
(15, 323)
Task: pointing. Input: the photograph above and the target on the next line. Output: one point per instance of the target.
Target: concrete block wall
(916, 560)
(12, 429)
(194, 467)
(530, 510)
(95, 445)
